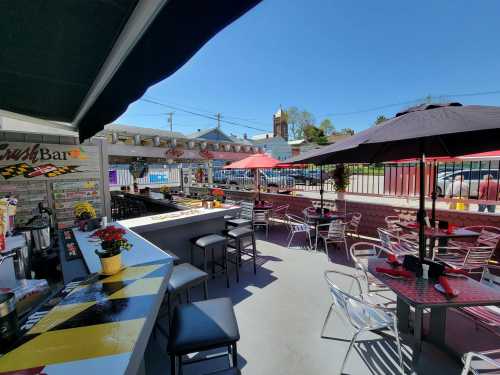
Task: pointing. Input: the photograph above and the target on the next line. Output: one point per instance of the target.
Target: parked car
(305, 176)
(471, 177)
(246, 178)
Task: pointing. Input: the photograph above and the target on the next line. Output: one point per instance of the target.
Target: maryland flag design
(47, 170)
(15, 170)
(62, 170)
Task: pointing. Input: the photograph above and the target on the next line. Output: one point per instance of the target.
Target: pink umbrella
(255, 162)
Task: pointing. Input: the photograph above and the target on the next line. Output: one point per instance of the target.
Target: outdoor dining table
(442, 235)
(318, 218)
(263, 206)
(421, 294)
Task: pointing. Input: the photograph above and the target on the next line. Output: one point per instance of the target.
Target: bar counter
(103, 323)
(173, 231)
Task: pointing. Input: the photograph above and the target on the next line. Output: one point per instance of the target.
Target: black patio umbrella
(418, 132)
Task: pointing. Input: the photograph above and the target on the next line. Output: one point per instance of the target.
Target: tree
(327, 126)
(314, 135)
(298, 119)
(347, 131)
(380, 119)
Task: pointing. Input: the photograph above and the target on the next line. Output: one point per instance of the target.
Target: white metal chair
(297, 225)
(395, 244)
(279, 213)
(353, 220)
(361, 252)
(488, 316)
(489, 235)
(316, 204)
(362, 315)
(334, 234)
(469, 256)
(261, 219)
(481, 362)
(394, 229)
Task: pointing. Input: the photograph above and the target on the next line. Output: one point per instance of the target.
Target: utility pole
(170, 114)
(218, 120)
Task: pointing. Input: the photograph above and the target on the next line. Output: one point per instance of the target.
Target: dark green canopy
(84, 62)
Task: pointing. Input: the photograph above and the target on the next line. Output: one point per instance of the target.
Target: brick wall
(373, 213)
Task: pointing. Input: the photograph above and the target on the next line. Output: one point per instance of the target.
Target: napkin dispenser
(435, 269)
(443, 224)
(412, 264)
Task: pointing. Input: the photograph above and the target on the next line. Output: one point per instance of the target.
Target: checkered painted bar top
(97, 325)
(419, 292)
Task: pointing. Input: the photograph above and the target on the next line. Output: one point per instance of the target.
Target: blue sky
(332, 57)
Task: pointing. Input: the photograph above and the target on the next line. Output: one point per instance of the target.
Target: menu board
(68, 193)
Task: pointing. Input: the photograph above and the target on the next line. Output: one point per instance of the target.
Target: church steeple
(280, 124)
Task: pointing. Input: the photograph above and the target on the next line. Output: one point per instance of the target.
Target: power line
(409, 102)
(209, 113)
(200, 114)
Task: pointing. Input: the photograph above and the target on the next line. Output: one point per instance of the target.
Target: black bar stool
(210, 243)
(239, 240)
(184, 277)
(202, 326)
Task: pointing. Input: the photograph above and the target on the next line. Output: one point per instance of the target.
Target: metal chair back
(336, 230)
(280, 212)
(246, 210)
(261, 217)
(354, 221)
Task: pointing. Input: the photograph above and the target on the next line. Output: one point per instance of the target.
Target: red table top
(419, 292)
(266, 206)
(440, 233)
(330, 215)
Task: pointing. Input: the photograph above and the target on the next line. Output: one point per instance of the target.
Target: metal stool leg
(173, 367)
(234, 352)
(238, 260)
(213, 263)
(254, 251)
(205, 289)
(225, 260)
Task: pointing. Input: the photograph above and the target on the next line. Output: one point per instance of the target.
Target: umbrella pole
(421, 211)
(321, 191)
(434, 194)
(257, 175)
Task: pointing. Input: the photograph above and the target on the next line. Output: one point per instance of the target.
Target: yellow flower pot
(111, 265)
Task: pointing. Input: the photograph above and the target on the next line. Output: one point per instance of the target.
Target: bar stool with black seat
(202, 326)
(239, 241)
(207, 243)
(184, 277)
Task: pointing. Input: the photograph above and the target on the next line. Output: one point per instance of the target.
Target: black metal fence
(387, 179)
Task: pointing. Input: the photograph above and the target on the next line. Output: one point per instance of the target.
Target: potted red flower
(218, 194)
(112, 244)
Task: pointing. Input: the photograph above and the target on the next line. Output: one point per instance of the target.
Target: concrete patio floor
(280, 313)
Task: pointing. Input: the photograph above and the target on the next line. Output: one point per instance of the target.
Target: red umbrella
(254, 162)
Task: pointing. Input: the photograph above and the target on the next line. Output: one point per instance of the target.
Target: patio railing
(388, 179)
